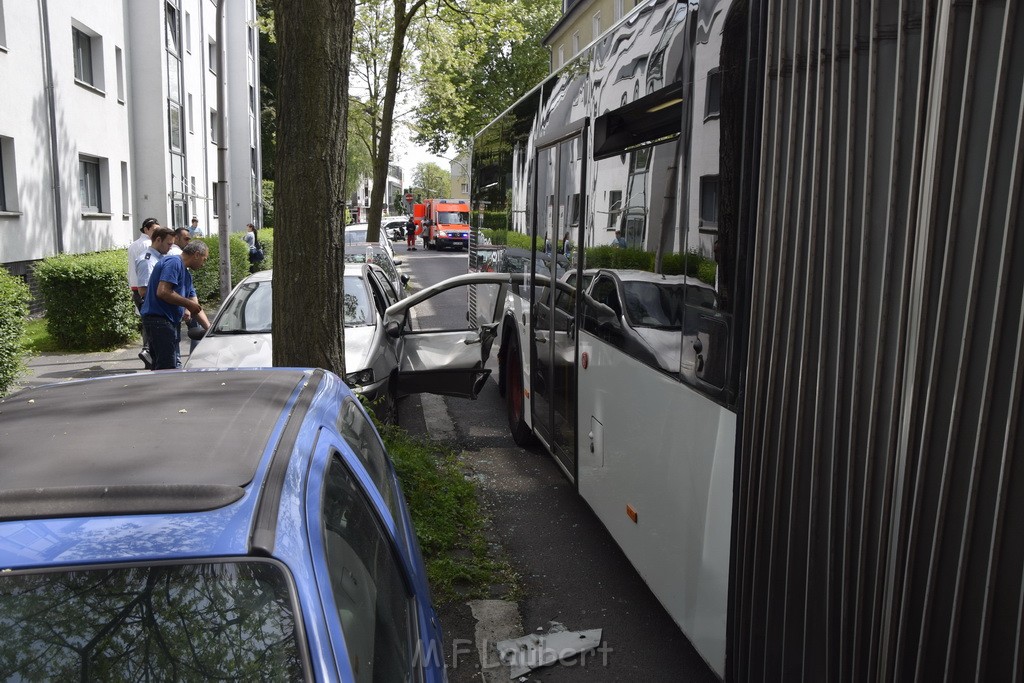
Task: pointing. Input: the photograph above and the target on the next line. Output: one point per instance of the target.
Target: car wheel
(514, 404)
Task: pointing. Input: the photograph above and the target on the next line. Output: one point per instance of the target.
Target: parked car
(371, 252)
(394, 228)
(356, 234)
(390, 350)
(213, 525)
(240, 334)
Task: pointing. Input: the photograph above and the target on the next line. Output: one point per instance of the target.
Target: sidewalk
(47, 368)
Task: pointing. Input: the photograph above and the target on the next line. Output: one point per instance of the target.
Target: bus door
(553, 343)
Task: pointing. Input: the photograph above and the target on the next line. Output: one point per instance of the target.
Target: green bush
(14, 297)
(495, 220)
(206, 280)
(508, 237)
(88, 302)
(268, 203)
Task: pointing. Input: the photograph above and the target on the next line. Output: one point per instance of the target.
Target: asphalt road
(570, 569)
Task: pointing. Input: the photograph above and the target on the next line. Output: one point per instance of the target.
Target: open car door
(442, 354)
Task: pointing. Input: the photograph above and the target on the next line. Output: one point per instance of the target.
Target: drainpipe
(51, 106)
(222, 157)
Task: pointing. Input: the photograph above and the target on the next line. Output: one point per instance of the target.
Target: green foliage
(36, 338)
(430, 181)
(206, 280)
(495, 220)
(88, 302)
(14, 297)
(268, 203)
(692, 264)
(446, 516)
(508, 237)
(477, 61)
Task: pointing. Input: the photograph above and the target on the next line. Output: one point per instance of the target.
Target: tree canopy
(431, 181)
(475, 62)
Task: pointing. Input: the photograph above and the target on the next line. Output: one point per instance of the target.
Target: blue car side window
(372, 598)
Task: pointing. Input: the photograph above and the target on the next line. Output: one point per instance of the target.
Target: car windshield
(248, 311)
(450, 217)
(353, 236)
(652, 304)
(198, 621)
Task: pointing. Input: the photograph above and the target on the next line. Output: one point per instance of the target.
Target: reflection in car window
(373, 602)
(248, 311)
(198, 621)
(651, 304)
(353, 236)
(358, 309)
(362, 438)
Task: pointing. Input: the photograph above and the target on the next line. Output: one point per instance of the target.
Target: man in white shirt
(135, 251)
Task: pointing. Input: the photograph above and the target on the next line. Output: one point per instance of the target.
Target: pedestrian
(182, 236)
(250, 235)
(135, 250)
(410, 235)
(195, 230)
(566, 247)
(169, 298)
(619, 240)
(427, 224)
(162, 239)
(252, 238)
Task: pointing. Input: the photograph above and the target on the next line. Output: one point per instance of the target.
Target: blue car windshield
(197, 621)
(248, 310)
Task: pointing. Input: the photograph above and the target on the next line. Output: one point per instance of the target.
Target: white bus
(785, 368)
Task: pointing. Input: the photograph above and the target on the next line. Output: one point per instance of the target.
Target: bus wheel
(521, 433)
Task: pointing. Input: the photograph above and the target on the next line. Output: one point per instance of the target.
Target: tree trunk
(315, 42)
(382, 161)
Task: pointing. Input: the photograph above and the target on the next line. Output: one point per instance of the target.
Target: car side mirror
(393, 329)
(397, 261)
(196, 333)
(404, 278)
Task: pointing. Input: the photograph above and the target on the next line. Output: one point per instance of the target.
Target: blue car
(199, 525)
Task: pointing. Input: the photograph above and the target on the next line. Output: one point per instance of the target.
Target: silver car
(392, 348)
(371, 252)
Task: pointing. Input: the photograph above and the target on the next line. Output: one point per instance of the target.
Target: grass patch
(36, 338)
(448, 520)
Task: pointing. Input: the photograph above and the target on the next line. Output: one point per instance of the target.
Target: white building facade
(109, 117)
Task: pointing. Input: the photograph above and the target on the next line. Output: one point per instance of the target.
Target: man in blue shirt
(169, 298)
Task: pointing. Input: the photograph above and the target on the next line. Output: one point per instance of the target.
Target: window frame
(87, 163)
(80, 54)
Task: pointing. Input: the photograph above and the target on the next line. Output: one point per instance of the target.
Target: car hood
(665, 345)
(256, 350)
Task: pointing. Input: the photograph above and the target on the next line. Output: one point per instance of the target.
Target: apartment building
(581, 23)
(109, 116)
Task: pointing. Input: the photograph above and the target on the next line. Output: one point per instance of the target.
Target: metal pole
(223, 229)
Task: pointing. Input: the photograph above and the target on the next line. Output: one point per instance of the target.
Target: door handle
(470, 340)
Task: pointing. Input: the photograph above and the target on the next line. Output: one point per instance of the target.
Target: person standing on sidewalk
(162, 239)
(135, 251)
(410, 235)
(182, 236)
(169, 296)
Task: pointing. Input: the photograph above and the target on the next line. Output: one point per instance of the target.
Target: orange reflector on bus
(631, 512)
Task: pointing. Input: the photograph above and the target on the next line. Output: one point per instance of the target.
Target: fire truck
(444, 223)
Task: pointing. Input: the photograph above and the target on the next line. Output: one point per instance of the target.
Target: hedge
(266, 237)
(14, 298)
(88, 303)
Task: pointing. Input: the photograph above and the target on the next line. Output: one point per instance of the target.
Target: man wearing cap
(169, 295)
(135, 251)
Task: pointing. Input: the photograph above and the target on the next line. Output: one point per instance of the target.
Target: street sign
(408, 197)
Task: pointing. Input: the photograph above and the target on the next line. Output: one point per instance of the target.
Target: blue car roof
(151, 465)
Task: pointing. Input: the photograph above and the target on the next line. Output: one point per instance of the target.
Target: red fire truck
(444, 223)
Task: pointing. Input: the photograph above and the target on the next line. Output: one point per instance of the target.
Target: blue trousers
(164, 338)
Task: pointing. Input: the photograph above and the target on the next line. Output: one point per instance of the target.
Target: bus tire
(514, 404)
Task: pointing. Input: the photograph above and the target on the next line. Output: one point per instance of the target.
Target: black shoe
(146, 359)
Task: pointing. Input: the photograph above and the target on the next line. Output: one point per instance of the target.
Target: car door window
(355, 427)
(368, 584)
(386, 287)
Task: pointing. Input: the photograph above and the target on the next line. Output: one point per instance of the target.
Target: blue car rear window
(202, 621)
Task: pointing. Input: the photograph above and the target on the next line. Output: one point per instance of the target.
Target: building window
(709, 201)
(126, 205)
(714, 94)
(575, 43)
(89, 184)
(119, 64)
(213, 125)
(192, 194)
(614, 208)
(3, 27)
(188, 33)
(214, 56)
(174, 124)
(216, 204)
(252, 41)
(618, 9)
(561, 55)
(82, 44)
(191, 118)
(3, 175)
(252, 99)
(597, 24)
(173, 29)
